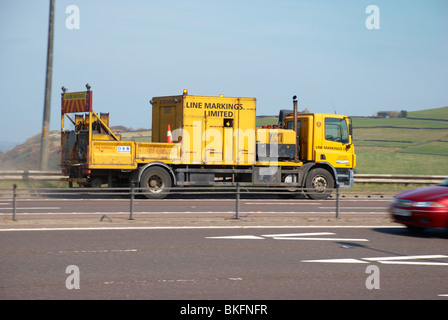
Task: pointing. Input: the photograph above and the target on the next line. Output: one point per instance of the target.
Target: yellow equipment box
(211, 130)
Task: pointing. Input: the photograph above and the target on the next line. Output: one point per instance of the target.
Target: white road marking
(249, 237)
(282, 203)
(390, 260)
(32, 208)
(381, 259)
(289, 236)
(94, 251)
(170, 281)
(399, 260)
(343, 207)
(336, 261)
(416, 263)
(298, 234)
(191, 212)
(319, 239)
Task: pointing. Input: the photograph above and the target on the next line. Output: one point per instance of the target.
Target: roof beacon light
(185, 92)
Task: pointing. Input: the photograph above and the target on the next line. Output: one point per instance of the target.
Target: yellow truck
(207, 141)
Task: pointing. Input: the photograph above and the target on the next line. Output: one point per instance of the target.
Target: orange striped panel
(76, 102)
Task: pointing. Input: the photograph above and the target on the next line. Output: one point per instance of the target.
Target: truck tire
(155, 183)
(319, 184)
(95, 183)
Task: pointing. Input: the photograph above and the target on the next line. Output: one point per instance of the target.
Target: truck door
(337, 144)
(305, 142)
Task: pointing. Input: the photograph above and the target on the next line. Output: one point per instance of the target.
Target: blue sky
(131, 51)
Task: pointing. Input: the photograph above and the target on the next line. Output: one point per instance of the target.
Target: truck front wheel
(155, 183)
(319, 184)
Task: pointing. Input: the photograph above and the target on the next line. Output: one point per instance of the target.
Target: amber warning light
(185, 92)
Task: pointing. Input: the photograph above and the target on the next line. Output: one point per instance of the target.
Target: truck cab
(326, 141)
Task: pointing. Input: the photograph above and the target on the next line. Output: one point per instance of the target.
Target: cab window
(290, 125)
(336, 130)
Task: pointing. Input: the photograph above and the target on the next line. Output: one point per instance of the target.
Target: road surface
(224, 263)
(195, 250)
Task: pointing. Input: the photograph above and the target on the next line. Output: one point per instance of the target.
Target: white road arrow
(390, 260)
(289, 236)
(399, 260)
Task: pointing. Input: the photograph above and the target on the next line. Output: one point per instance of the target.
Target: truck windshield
(336, 130)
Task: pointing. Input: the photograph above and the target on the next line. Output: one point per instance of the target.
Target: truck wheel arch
(306, 168)
(155, 182)
(325, 170)
(159, 164)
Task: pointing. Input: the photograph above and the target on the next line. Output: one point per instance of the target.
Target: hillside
(26, 156)
(417, 144)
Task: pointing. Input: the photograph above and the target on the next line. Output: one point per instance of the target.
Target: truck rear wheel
(96, 182)
(318, 184)
(155, 183)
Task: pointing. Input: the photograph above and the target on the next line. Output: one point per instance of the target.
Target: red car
(420, 208)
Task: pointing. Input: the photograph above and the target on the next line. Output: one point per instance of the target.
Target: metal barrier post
(132, 202)
(337, 202)
(237, 209)
(14, 195)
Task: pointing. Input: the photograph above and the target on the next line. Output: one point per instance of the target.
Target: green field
(264, 121)
(137, 136)
(417, 144)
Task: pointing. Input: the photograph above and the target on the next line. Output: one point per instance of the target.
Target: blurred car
(423, 207)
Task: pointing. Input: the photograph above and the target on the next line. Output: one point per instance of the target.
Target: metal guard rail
(234, 192)
(29, 175)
